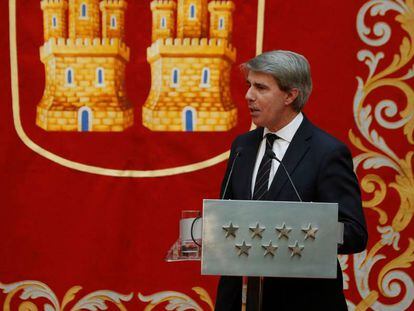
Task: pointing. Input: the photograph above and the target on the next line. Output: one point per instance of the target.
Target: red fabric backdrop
(63, 227)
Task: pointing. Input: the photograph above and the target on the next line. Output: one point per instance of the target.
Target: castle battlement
(82, 46)
(79, 42)
(221, 5)
(163, 4)
(116, 4)
(53, 4)
(188, 47)
(193, 42)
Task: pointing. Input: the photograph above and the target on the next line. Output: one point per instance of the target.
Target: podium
(264, 239)
(270, 239)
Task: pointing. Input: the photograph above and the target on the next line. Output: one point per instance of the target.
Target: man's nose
(249, 94)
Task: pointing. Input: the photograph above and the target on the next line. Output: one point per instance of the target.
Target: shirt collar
(287, 132)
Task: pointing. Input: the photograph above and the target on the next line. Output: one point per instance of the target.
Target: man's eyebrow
(258, 84)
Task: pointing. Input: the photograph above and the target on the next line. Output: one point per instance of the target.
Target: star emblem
(296, 249)
(269, 249)
(310, 232)
(243, 248)
(257, 231)
(283, 231)
(230, 230)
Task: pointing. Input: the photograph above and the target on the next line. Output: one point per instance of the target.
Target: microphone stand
(272, 155)
(254, 299)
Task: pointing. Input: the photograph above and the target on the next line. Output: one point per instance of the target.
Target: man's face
(269, 105)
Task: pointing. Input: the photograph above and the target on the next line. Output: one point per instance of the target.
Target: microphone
(238, 154)
(272, 155)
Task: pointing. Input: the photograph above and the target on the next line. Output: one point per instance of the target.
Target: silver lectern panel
(263, 238)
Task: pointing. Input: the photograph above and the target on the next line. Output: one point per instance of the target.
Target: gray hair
(290, 70)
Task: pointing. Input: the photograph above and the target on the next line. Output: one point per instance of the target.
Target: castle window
(54, 21)
(205, 77)
(192, 12)
(113, 22)
(69, 77)
(163, 22)
(83, 10)
(100, 77)
(84, 119)
(221, 23)
(175, 77)
(189, 119)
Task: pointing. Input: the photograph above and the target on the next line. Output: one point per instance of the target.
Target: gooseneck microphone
(238, 154)
(272, 156)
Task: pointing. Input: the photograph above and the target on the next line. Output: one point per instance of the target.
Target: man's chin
(257, 123)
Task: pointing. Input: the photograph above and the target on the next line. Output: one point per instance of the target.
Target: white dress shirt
(279, 147)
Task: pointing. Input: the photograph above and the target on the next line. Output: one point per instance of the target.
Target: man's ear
(291, 96)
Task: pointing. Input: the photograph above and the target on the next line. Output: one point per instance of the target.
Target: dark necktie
(262, 178)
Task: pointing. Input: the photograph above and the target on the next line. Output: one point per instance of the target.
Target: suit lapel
(249, 159)
(297, 149)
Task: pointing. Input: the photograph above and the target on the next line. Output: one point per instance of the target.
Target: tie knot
(270, 139)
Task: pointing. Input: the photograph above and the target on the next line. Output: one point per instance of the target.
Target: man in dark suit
(279, 85)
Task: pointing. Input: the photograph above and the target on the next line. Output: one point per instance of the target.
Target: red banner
(118, 115)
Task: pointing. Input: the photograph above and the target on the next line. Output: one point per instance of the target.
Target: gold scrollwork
(28, 306)
(97, 300)
(176, 300)
(402, 261)
(34, 289)
(377, 154)
(374, 184)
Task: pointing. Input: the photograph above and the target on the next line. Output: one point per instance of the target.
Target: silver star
(243, 248)
(296, 249)
(257, 231)
(230, 230)
(269, 249)
(310, 232)
(283, 231)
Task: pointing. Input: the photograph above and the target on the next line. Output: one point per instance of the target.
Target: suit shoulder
(326, 141)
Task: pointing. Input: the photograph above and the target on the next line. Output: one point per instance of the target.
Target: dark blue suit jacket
(322, 170)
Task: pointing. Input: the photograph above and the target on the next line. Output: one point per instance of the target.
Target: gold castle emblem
(190, 89)
(85, 62)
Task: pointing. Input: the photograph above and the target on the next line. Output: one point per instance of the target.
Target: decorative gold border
(26, 293)
(96, 169)
(381, 273)
(260, 26)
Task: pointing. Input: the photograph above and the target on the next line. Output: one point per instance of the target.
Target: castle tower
(221, 19)
(85, 73)
(192, 19)
(113, 18)
(163, 21)
(84, 19)
(190, 87)
(54, 18)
